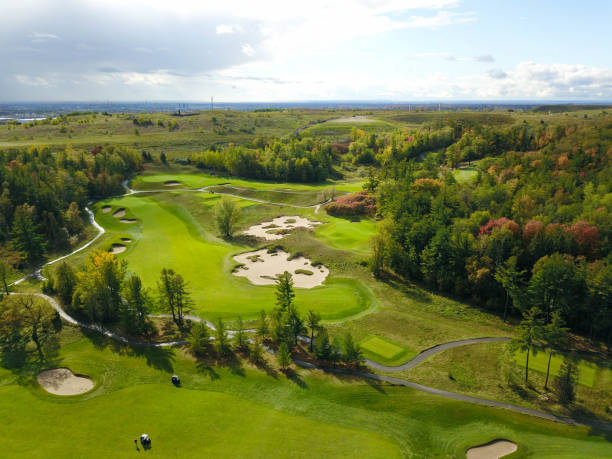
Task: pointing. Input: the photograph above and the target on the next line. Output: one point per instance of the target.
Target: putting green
(167, 236)
(197, 423)
(346, 235)
(385, 351)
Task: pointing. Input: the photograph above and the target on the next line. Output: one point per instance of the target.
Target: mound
(62, 381)
(119, 213)
(106, 209)
(491, 450)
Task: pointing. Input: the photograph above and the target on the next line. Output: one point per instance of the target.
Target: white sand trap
(268, 230)
(172, 183)
(117, 248)
(61, 381)
(262, 268)
(492, 450)
(127, 240)
(120, 213)
(127, 220)
(106, 209)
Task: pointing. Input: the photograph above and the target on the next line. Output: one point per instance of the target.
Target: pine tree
(199, 339)
(284, 291)
(565, 384)
(284, 356)
(26, 237)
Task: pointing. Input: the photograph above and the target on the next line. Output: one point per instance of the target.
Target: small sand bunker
(279, 227)
(117, 248)
(61, 381)
(172, 183)
(127, 240)
(119, 213)
(492, 450)
(262, 268)
(128, 220)
(106, 209)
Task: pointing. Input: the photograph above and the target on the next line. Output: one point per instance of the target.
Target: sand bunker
(106, 209)
(172, 183)
(117, 248)
(128, 220)
(492, 450)
(127, 240)
(61, 381)
(262, 268)
(120, 213)
(279, 227)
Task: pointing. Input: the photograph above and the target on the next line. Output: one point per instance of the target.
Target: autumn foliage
(360, 203)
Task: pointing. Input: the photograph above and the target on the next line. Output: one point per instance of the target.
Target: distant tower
(212, 105)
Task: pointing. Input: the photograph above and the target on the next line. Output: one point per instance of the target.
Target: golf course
(436, 374)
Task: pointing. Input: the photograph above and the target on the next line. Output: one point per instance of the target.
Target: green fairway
(465, 174)
(347, 235)
(240, 411)
(196, 423)
(589, 373)
(202, 179)
(167, 236)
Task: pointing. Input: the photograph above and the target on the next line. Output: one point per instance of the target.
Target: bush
(360, 203)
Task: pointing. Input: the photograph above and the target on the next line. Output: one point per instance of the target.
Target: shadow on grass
(160, 358)
(294, 377)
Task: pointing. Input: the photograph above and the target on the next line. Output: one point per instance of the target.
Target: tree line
(534, 228)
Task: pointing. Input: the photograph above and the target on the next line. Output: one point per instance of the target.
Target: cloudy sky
(281, 50)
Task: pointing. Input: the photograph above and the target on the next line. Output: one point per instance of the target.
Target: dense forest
(44, 194)
(533, 229)
(287, 160)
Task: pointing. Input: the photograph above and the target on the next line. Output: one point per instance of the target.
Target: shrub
(360, 203)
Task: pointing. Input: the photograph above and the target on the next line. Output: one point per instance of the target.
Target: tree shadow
(204, 367)
(294, 377)
(262, 365)
(231, 361)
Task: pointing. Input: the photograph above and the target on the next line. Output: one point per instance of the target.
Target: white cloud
(37, 37)
(29, 80)
(484, 58)
(222, 29)
(248, 49)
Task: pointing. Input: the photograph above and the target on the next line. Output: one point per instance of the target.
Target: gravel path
(429, 352)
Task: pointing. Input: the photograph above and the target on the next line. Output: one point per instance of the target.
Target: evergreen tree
(284, 291)
(241, 339)
(64, 282)
(227, 214)
(284, 356)
(221, 341)
(25, 235)
(199, 339)
(352, 351)
(555, 338)
(262, 327)
(565, 383)
(313, 320)
(136, 305)
(530, 335)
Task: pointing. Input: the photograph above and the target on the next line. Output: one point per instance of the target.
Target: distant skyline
(244, 51)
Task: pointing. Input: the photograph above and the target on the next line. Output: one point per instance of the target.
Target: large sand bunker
(62, 381)
(492, 450)
(279, 227)
(119, 213)
(262, 268)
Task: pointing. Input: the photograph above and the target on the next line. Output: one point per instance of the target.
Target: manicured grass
(383, 350)
(241, 411)
(196, 179)
(588, 372)
(465, 174)
(347, 235)
(167, 236)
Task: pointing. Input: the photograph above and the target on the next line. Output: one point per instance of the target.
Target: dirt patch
(117, 248)
(262, 268)
(279, 227)
(172, 183)
(62, 381)
(106, 209)
(491, 450)
(119, 213)
(128, 220)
